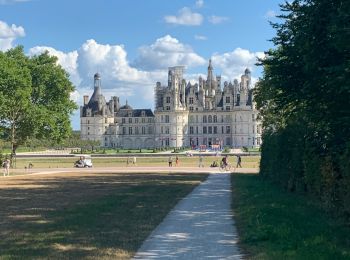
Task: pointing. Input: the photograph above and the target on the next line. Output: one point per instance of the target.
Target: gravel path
(199, 227)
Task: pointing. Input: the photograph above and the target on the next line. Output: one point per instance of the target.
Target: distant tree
(34, 98)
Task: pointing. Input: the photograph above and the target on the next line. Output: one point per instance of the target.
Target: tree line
(304, 102)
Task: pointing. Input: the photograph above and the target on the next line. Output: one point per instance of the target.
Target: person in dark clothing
(239, 160)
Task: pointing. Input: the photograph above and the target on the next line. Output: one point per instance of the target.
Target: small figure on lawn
(200, 161)
(239, 160)
(6, 166)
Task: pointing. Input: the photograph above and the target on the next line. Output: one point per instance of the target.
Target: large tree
(34, 97)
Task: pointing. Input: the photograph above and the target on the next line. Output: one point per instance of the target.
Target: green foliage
(226, 149)
(303, 100)
(34, 98)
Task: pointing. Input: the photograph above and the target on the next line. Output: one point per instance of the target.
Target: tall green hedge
(304, 101)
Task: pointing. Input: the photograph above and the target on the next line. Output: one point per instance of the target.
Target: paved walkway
(199, 227)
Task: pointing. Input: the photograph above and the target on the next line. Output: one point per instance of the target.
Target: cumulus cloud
(217, 19)
(117, 76)
(199, 3)
(233, 64)
(185, 17)
(111, 61)
(8, 34)
(165, 52)
(200, 37)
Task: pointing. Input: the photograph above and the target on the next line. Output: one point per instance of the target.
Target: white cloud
(165, 52)
(200, 37)
(233, 64)
(8, 34)
(117, 76)
(199, 3)
(111, 61)
(185, 17)
(217, 19)
(270, 14)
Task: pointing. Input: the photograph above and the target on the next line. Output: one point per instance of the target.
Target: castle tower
(210, 72)
(175, 77)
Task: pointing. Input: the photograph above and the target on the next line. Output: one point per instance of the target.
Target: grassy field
(56, 162)
(273, 224)
(82, 215)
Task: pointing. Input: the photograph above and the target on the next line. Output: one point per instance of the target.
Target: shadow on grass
(94, 215)
(275, 224)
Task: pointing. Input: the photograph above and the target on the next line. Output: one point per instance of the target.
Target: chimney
(86, 100)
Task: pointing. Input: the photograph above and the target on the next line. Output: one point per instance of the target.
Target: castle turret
(97, 84)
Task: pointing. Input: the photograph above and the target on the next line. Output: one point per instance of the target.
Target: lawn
(57, 162)
(85, 215)
(273, 224)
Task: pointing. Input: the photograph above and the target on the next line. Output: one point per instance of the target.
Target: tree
(34, 96)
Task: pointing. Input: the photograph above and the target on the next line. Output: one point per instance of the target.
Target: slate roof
(135, 113)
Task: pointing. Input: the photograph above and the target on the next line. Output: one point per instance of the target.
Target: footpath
(201, 226)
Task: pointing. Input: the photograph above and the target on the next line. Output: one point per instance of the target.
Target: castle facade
(204, 115)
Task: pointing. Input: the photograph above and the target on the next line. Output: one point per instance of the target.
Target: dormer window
(143, 113)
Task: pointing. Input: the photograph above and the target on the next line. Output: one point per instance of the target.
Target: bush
(226, 149)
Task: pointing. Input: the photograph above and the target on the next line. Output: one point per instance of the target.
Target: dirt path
(201, 226)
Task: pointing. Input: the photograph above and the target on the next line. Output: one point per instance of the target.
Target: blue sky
(133, 42)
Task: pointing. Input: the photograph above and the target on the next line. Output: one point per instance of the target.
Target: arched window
(215, 119)
(210, 119)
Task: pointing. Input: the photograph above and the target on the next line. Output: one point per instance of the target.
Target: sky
(131, 43)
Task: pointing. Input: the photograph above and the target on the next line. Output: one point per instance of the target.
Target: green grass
(86, 216)
(273, 224)
(247, 161)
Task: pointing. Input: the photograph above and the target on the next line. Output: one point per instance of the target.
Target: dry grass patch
(85, 215)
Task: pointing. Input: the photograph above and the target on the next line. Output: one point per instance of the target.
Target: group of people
(170, 161)
(224, 162)
(6, 163)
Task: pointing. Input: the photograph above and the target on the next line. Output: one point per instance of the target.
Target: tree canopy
(34, 97)
(304, 98)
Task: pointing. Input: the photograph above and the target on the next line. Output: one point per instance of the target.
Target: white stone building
(202, 114)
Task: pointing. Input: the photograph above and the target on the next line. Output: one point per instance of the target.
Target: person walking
(200, 164)
(239, 160)
(127, 161)
(177, 161)
(6, 166)
(170, 161)
(134, 161)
